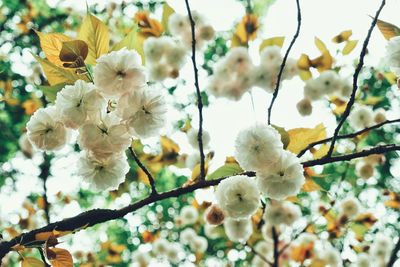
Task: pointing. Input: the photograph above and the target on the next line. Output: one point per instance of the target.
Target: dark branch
(145, 170)
(275, 238)
(42, 256)
(393, 256)
(344, 136)
(44, 174)
(199, 100)
(96, 216)
(357, 71)
(364, 153)
(278, 82)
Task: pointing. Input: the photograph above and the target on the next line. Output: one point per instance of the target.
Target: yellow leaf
(373, 100)
(51, 44)
(300, 138)
(246, 30)
(342, 37)
(235, 41)
(317, 263)
(305, 75)
(304, 62)
(132, 41)
(387, 29)
(285, 138)
(148, 26)
(56, 74)
(310, 185)
(74, 51)
(95, 33)
(278, 41)
(323, 62)
(319, 153)
(167, 11)
(62, 258)
(390, 77)
(31, 262)
(196, 171)
(320, 45)
(350, 45)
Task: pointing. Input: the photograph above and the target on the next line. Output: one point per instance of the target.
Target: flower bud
(214, 215)
(304, 107)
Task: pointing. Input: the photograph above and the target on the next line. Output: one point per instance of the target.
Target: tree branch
(344, 136)
(96, 216)
(360, 64)
(363, 153)
(44, 174)
(275, 238)
(393, 256)
(145, 170)
(278, 82)
(199, 100)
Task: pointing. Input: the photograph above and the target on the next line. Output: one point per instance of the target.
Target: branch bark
(199, 100)
(275, 238)
(393, 256)
(278, 82)
(357, 71)
(344, 136)
(145, 170)
(44, 174)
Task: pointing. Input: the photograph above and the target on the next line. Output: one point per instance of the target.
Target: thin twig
(278, 82)
(43, 257)
(145, 170)
(357, 71)
(344, 136)
(364, 153)
(393, 256)
(199, 100)
(44, 174)
(259, 255)
(275, 238)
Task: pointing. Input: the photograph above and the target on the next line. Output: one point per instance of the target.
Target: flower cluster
(328, 83)
(393, 54)
(196, 243)
(107, 114)
(282, 213)
(179, 26)
(235, 74)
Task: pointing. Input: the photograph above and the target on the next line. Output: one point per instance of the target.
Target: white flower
(290, 69)
(283, 212)
(104, 137)
(79, 102)
(174, 253)
(238, 60)
(264, 78)
(176, 56)
(381, 247)
(379, 115)
(160, 247)
(192, 138)
(365, 170)
(206, 32)
(312, 90)
(285, 178)
(345, 89)
(178, 23)
(103, 174)
(199, 244)
(361, 117)
(271, 56)
(238, 230)
(363, 260)
(393, 54)
(306, 238)
(26, 146)
(119, 72)
(304, 107)
(46, 131)
(192, 160)
(212, 231)
(189, 215)
(257, 147)
(155, 48)
(328, 82)
(143, 112)
(238, 196)
(141, 258)
(187, 236)
(331, 256)
(159, 72)
(349, 207)
(264, 248)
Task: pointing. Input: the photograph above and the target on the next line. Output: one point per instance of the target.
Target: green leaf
(50, 92)
(133, 41)
(95, 33)
(227, 170)
(167, 11)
